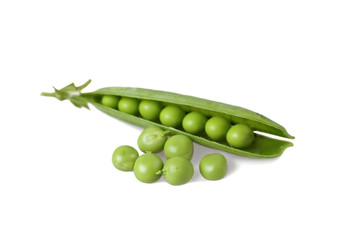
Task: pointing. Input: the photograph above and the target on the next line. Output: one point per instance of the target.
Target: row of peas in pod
(178, 150)
(216, 128)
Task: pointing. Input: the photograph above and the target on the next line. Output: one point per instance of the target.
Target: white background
(296, 62)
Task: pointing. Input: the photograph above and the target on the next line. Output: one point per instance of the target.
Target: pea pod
(262, 146)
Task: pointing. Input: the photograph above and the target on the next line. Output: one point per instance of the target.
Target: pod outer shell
(262, 146)
(235, 114)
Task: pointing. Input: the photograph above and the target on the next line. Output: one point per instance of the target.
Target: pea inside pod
(194, 123)
(150, 110)
(262, 146)
(240, 136)
(128, 105)
(216, 128)
(110, 101)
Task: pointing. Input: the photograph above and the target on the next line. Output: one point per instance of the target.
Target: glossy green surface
(148, 168)
(178, 170)
(152, 139)
(213, 166)
(124, 158)
(150, 110)
(172, 116)
(194, 122)
(217, 127)
(240, 136)
(128, 105)
(110, 101)
(179, 146)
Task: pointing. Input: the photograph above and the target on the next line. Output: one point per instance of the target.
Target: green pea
(110, 101)
(216, 128)
(148, 168)
(172, 116)
(124, 158)
(213, 166)
(128, 105)
(240, 136)
(152, 139)
(178, 170)
(194, 122)
(150, 109)
(179, 146)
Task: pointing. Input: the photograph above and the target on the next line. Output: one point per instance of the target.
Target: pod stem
(45, 94)
(70, 92)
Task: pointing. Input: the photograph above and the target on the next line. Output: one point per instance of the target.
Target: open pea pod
(261, 147)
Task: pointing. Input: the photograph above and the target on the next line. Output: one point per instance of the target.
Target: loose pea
(150, 109)
(179, 146)
(194, 122)
(178, 170)
(124, 158)
(152, 139)
(216, 128)
(128, 105)
(172, 116)
(213, 166)
(110, 101)
(240, 136)
(148, 168)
